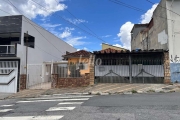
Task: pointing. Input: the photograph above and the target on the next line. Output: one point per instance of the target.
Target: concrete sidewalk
(105, 88)
(4, 95)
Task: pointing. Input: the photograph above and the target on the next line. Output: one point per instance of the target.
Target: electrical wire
(134, 8)
(69, 22)
(164, 8)
(34, 26)
(78, 20)
(35, 45)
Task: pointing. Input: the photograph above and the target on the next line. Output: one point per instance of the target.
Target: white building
(16, 59)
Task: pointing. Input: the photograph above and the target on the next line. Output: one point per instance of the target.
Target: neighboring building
(79, 71)
(137, 66)
(79, 61)
(105, 46)
(163, 32)
(14, 55)
(136, 36)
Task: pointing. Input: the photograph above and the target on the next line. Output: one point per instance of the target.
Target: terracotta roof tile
(82, 53)
(110, 50)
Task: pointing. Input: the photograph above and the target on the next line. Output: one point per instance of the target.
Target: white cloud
(85, 48)
(145, 18)
(77, 21)
(106, 36)
(125, 35)
(66, 33)
(118, 45)
(76, 41)
(31, 9)
(125, 29)
(48, 25)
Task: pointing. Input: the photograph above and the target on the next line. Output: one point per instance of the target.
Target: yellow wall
(83, 60)
(106, 46)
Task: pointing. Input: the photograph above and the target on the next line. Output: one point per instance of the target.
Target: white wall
(39, 54)
(174, 38)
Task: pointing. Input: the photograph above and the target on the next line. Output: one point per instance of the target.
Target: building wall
(43, 51)
(174, 38)
(137, 42)
(76, 60)
(136, 37)
(106, 46)
(157, 38)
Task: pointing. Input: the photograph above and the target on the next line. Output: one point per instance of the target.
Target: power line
(52, 15)
(134, 8)
(69, 22)
(164, 8)
(32, 25)
(35, 27)
(127, 5)
(81, 23)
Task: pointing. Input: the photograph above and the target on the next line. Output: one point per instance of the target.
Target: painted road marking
(5, 110)
(80, 99)
(7, 105)
(69, 103)
(32, 118)
(60, 108)
(60, 97)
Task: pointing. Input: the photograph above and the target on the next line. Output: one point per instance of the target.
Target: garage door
(8, 76)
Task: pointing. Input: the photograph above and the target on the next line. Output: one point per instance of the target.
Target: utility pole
(26, 52)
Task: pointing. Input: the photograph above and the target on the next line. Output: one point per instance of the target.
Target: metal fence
(73, 70)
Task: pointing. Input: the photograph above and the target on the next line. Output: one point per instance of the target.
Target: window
(83, 66)
(29, 40)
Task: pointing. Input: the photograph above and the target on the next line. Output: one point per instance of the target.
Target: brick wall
(92, 71)
(70, 82)
(92, 74)
(167, 73)
(22, 82)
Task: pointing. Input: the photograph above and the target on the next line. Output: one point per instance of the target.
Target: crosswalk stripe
(69, 103)
(32, 118)
(60, 108)
(80, 99)
(59, 97)
(5, 110)
(7, 105)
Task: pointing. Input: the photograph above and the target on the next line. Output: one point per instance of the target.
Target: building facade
(163, 32)
(24, 47)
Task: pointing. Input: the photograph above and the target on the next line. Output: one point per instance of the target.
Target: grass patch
(151, 91)
(134, 91)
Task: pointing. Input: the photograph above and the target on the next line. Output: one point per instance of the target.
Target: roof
(109, 50)
(81, 53)
(139, 25)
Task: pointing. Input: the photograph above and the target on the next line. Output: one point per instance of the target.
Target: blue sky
(109, 21)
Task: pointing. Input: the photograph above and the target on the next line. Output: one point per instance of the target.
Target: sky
(85, 24)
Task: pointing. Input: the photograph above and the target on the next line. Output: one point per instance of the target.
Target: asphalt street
(161, 106)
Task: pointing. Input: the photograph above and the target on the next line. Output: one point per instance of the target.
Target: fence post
(130, 68)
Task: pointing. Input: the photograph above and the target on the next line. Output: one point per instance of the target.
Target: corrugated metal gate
(129, 67)
(112, 74)
(147, 73)
(8, 76)
(120, 74)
